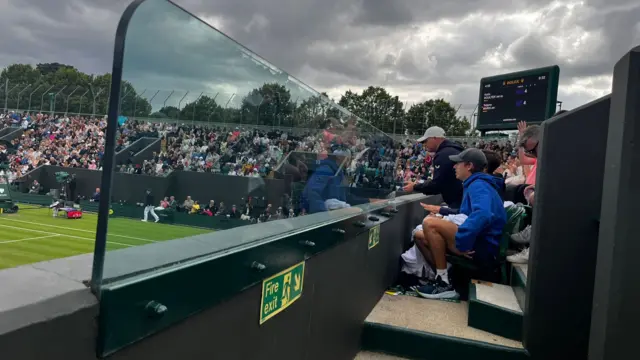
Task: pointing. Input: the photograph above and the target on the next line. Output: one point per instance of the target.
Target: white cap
(432, 132)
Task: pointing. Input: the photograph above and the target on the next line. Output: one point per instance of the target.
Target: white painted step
(498, 295)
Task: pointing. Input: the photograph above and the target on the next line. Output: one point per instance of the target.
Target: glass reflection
(214, 138)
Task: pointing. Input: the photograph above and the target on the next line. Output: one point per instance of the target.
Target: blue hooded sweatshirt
(486, 215)
(324, 184)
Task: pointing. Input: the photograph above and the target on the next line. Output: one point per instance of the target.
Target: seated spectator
(234, 213)
(173, 204)
(529, 140)
(494, 169)
(96, 196)
(187, 204)
(210, 209)
(476, 237)
(35, 188)
(195, 208)
(222, 210)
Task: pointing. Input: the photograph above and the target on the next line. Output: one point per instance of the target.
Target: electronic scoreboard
(526, 95)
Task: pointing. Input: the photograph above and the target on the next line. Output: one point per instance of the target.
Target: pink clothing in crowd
(531, 178)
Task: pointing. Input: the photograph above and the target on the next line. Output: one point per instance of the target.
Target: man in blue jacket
(478, 237)
(444, 180)
(327, 189)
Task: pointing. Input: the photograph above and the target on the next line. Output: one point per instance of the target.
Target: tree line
(64, 89)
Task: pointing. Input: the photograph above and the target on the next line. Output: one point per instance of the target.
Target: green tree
(65, 89)
(171, 112)
(269, 105)
(376, 106)
(435, 113)
(202, 109)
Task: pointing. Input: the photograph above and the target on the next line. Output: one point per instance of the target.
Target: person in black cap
(478, 235)
(148, 206)
(444, 181)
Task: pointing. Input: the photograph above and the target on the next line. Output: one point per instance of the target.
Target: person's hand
(467, 254)
(431, 208)
(409, 187)
(521, 126)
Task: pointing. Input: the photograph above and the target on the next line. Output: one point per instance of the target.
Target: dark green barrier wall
(200, 186)
(341, 287)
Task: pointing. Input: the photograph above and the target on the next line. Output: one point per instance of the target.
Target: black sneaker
(437, 289)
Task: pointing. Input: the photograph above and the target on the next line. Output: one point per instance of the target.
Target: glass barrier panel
(218, 148)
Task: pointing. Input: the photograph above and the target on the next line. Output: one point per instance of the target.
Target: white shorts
(457, 219)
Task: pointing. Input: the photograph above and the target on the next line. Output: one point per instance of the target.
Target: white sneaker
(523, 237)
(157, 220)
(520, 258)
(144, 220)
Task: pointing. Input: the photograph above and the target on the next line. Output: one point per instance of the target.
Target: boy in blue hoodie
(478, 237)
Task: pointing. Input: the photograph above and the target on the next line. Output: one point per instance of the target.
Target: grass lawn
(33, 235)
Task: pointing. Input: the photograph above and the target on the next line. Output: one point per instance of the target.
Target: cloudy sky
(417, 49)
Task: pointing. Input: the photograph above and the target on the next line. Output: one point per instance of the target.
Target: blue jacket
(485, 211)
(324, 184)
(446, 210)
(444, 176)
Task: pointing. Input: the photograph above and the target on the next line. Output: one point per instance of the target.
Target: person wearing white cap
(444, 180)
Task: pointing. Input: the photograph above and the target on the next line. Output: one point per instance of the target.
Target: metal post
(131, 90)
(66, 111)
(81, 101)
(258, 114)
(53, 108)
(30, 95)
(42, 97)
(20, 94)
(224, 118)
(154, 96)
(95, 97)
(214, 100)
(193, 116)
(165, 100)
(180, 104)
(6, 95)
(6, 92)
(295, 107)
(135, 102)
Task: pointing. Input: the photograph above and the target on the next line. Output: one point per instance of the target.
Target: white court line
(27, 239)
(69, 236)
(74, 229)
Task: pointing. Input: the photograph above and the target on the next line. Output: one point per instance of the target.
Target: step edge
(438, 336)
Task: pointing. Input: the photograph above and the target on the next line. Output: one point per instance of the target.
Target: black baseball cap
(473, 156)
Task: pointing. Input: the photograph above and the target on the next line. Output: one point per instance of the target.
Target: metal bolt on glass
(336, 230)
(307, 243)
(156, 308)
(258, 266)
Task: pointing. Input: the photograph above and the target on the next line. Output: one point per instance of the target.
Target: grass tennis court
(33, 235)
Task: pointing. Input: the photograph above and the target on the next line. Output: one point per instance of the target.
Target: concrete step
(417, 328)
(494, 308)
(519, 282)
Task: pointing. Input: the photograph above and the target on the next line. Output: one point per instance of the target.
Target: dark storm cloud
(333, 43)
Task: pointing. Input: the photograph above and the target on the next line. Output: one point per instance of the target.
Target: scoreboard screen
(527, 95)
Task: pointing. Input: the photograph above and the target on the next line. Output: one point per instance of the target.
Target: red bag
(75, 214)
